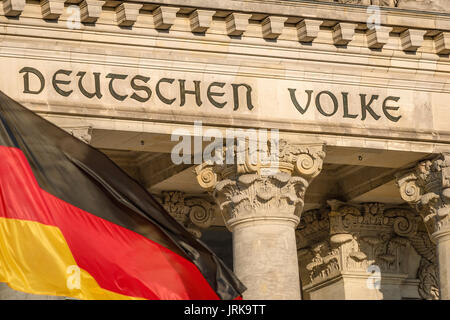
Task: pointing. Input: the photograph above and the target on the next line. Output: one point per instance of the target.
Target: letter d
(26, 80)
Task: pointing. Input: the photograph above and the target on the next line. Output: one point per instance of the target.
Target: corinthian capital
(427, 189)
(193, 213)
(263, 190)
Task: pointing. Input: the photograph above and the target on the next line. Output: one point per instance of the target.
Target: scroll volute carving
(194, 213)
(269, 188)
(427, 189)
(298, 160)
(206, 176)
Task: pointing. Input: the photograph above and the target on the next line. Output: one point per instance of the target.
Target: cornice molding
(342, 21)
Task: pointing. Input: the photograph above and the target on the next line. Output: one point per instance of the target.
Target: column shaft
(265, 259)
(443, 257)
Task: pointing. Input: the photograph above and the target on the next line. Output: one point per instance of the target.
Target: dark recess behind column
(219, 240)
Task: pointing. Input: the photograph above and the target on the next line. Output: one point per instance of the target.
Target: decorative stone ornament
(308, 29)
(193, 213)
(164, 17)
(442, 43)
(90, 10)
(273, 26)
(343, 33)
(241, 189)
(127, 13)
(52, 9)
(13, 8)
(378, 37)
(427, 189)
(345, 240)
(200, 20)
(236, 23)
(412, 39)
(255, 196)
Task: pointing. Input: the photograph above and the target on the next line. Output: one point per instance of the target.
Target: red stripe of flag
(119, 259)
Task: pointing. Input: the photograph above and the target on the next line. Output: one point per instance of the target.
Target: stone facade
(357, 92)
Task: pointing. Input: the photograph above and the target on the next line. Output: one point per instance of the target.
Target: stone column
(261, 205)
(427, 189)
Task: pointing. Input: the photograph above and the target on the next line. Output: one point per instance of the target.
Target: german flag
(73, 224)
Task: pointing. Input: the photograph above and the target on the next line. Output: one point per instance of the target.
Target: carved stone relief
(427, 189)
(193, 213)
(353, 237)
(252, 189)
(427, 5)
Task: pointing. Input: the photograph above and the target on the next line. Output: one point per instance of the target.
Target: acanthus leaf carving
(426, 188)
(194, 213)
(243, 190)
(352, 237)
(429, 280)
